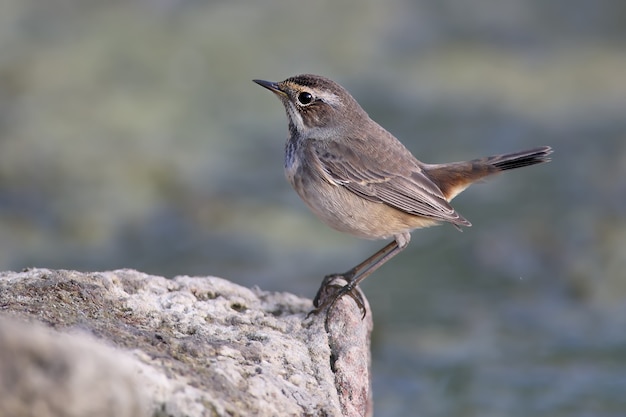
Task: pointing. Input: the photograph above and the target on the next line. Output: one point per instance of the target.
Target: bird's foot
(329, 282)
(329, 293)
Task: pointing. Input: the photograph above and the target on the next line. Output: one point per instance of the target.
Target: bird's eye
(305, 98)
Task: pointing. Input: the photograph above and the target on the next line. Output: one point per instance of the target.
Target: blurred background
(131, 136)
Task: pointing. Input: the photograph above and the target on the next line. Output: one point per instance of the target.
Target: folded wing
(395, 179)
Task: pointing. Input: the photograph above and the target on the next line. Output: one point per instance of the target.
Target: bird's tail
(454, 177)
(518, 159)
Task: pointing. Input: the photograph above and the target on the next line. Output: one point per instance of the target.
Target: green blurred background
(131, 136)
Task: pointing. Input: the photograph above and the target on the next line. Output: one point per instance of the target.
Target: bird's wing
(393, 177)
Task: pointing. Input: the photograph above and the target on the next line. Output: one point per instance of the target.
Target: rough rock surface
(124, 343)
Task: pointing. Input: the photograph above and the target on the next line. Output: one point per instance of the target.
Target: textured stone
(176, 347)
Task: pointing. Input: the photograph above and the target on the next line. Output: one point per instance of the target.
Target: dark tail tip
(523, 158)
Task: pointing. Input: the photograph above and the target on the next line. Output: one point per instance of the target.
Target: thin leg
(354, 273)
(357, 274)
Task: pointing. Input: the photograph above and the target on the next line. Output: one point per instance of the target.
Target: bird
(360, 179)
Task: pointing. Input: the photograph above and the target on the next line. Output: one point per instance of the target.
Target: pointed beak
(273, 87)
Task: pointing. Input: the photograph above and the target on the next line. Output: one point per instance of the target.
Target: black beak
(273, 87)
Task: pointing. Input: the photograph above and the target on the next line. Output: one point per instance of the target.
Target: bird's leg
(357, 274)
(351, 275)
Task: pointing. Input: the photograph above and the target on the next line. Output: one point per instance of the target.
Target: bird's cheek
(321, 117)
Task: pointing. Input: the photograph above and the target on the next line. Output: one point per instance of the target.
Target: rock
(45, 373)
(126, 343)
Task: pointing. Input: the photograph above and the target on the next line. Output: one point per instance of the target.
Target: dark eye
(305, 98)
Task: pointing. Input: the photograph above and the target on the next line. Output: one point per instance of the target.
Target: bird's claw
(324, 300)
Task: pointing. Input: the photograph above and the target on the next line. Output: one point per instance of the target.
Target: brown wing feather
(397, 181)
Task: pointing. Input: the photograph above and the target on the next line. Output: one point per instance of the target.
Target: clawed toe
(328, 295)
(327, 283)
(322, 294)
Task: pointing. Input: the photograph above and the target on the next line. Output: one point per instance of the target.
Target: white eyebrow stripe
(328, 97)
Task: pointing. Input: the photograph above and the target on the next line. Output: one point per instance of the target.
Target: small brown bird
(359, 179)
